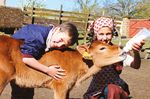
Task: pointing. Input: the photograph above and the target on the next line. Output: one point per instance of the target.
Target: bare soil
(138, 80)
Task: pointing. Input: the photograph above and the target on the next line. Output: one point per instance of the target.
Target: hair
(72, 31)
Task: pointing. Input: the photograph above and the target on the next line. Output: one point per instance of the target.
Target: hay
(10, 17)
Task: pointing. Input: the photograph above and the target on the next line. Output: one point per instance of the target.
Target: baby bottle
(143, 34)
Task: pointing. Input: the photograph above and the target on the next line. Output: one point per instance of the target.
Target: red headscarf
(99, 23)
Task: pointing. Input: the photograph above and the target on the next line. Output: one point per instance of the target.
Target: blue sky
(68, 5)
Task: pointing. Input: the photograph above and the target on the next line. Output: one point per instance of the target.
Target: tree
(32, 3)
(143, 9)
(122, 8)
(87, 6)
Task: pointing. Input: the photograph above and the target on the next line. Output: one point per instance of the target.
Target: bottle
(143, 34)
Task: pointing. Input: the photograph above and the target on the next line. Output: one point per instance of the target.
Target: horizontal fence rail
(47, 16)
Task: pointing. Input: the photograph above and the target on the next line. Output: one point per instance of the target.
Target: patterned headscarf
(99, 23)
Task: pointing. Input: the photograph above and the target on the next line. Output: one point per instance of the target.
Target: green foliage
(87, 6)
(32, 3)
(143, 9)
(117, 8)
(121, 8)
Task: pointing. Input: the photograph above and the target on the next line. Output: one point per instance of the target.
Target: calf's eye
(102, 48)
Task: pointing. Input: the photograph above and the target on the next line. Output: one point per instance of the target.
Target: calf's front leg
(93, 70)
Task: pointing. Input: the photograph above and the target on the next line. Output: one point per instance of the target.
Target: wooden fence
(47, 16)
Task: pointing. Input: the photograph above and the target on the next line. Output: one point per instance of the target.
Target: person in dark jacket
(38, 39)
(107, 84)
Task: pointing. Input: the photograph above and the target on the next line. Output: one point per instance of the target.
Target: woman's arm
(136, 63)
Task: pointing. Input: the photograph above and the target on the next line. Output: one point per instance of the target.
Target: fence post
(124, 30)
(33, 3)
(32, 17)
(60, 15)
(86, 26)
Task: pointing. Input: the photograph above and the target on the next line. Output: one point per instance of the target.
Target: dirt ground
(138, 80)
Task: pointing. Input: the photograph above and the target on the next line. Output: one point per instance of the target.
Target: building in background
(135, 25)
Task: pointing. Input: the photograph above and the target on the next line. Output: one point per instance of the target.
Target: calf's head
(102, 54)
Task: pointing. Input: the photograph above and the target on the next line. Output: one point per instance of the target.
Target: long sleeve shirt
(34, 39)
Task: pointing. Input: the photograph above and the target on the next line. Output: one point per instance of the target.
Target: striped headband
(99, 23)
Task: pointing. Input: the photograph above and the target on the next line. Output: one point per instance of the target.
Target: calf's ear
(82, 49)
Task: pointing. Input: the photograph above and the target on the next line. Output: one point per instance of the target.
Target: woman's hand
(138, 46)
(56, 72)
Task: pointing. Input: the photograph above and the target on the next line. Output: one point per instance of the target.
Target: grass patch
(120, 42)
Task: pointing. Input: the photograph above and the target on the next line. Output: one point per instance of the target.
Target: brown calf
(12, 67)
